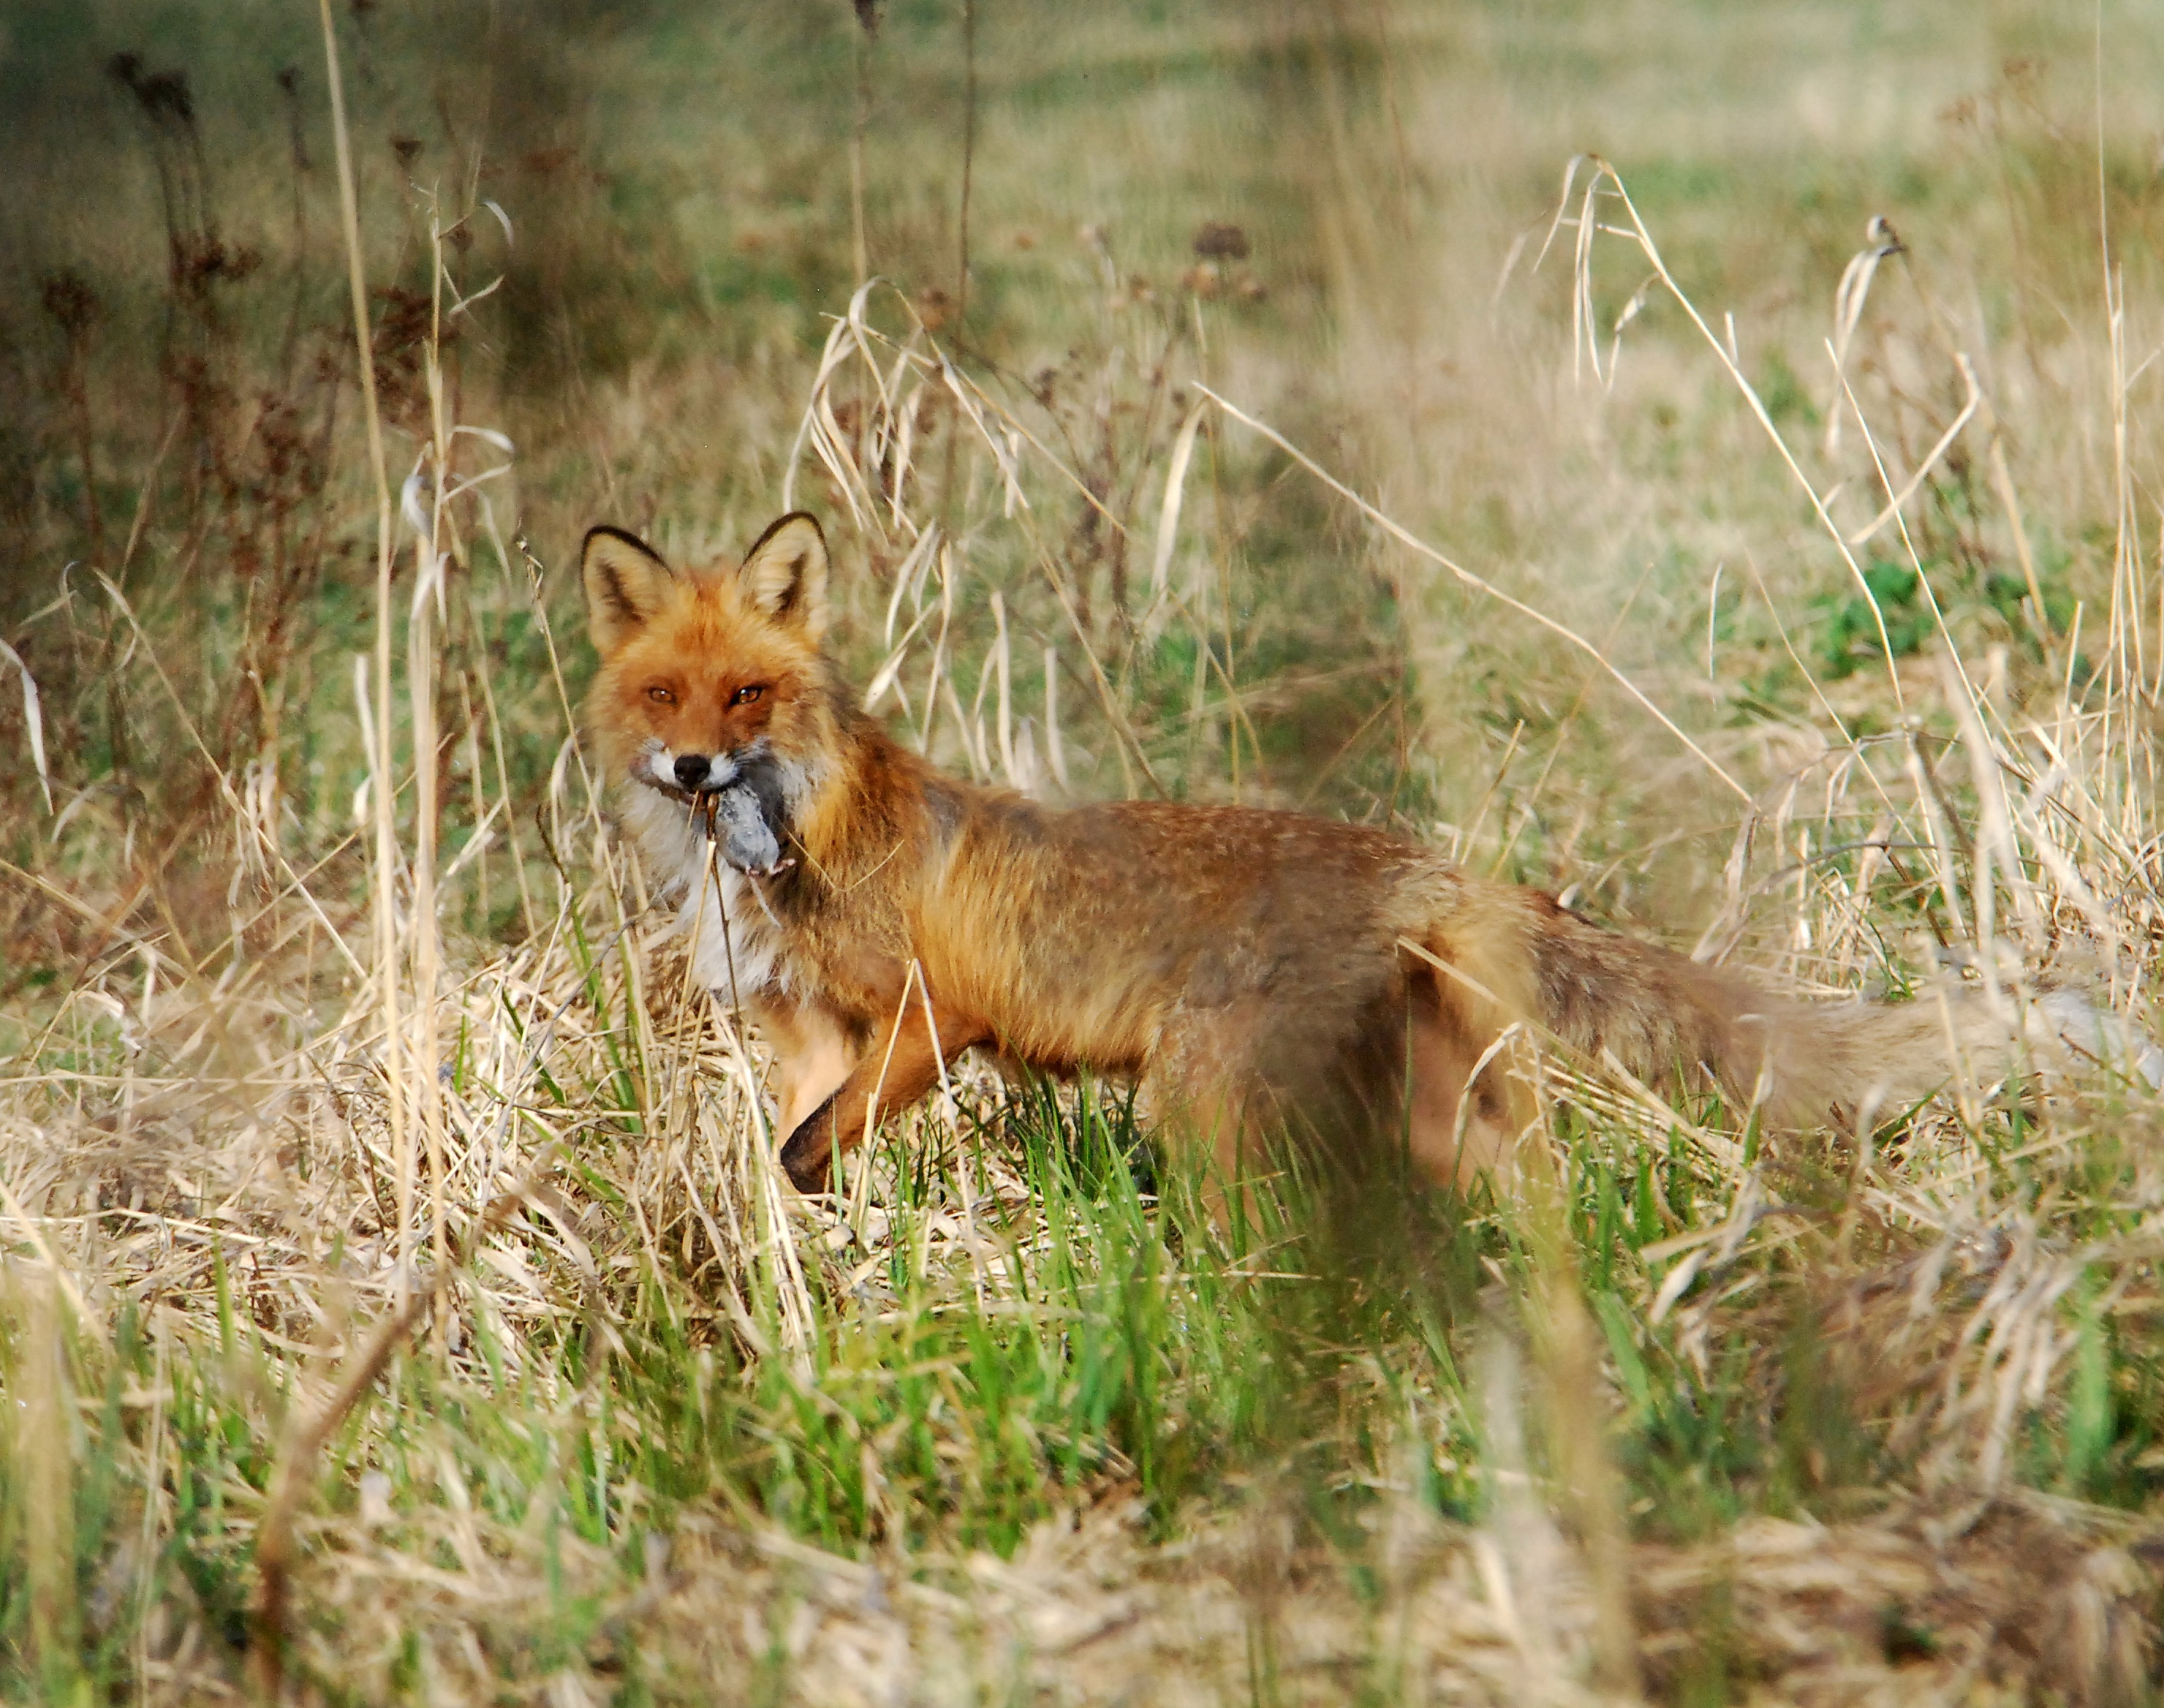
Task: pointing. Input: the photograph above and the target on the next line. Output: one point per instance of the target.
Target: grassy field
(1700, 459)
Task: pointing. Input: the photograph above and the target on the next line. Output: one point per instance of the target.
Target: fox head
(707, 672)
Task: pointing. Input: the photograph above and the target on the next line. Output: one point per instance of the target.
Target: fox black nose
(691, 769)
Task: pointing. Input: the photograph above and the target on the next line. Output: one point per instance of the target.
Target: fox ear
(627, 582)
(785, 573)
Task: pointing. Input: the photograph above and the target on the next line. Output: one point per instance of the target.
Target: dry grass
(400, 1300)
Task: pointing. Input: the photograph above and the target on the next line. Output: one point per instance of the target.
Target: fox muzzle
(693, 773)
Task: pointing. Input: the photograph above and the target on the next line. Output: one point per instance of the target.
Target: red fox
(1256, 972)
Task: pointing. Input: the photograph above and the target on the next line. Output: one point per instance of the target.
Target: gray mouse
(748, 818)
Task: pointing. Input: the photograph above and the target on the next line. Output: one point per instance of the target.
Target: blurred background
(1330, 212)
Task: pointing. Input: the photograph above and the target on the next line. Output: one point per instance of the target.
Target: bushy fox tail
(1802, 1063)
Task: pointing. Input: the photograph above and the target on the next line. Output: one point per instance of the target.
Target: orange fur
(1255, 971)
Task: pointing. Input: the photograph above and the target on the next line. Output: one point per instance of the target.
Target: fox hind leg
(1463, 1105)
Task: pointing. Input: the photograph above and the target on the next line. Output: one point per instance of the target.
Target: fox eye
(660, 695)
(744, 697)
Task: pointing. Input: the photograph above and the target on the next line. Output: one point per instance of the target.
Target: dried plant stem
(969, 163)
(429, 566)
(1727, 356)
(289, 1485)
(1405, 537)
(1592, 1491)
(860, 249)
(2002, 481)
(292, 1475)
(382, 768)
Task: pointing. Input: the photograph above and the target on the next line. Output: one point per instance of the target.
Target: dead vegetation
(400, 1300)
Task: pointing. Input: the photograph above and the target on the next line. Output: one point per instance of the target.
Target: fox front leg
(893, 1074)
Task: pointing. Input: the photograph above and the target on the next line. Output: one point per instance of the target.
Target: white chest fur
(734, 940)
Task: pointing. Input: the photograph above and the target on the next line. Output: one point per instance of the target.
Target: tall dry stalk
(382, 756)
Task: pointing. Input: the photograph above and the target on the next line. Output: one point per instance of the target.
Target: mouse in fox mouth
(746, 818)
(740, 801)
